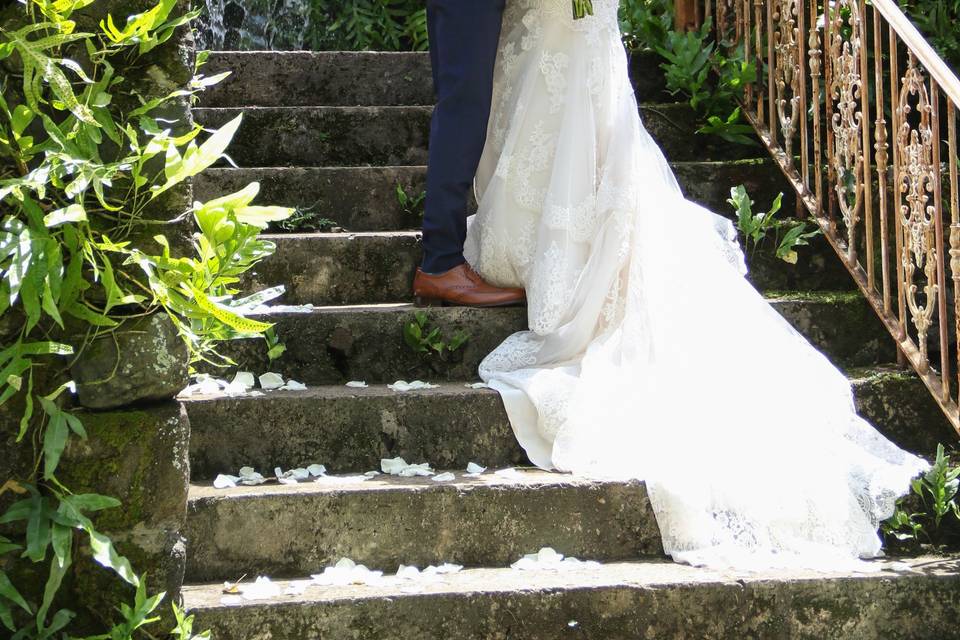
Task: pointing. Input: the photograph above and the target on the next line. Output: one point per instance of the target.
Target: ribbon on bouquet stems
(582, 8)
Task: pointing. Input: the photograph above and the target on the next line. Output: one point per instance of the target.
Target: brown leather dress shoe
(461, 286)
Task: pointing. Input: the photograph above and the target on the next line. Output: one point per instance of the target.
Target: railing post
(686, 16)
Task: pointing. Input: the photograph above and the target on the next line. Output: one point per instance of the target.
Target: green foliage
(184, 628)
(644, 24)
(86, 162)
(412, 204)
(711, 81)
(306, 220)
(931, 512)
(135, 617)
(938, 19)
(756, 226)
(429, 341)
(360, 25)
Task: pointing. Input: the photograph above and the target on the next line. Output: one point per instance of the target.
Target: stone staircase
(334, 134)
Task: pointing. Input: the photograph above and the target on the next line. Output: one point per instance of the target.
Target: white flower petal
(223, 481)
(244, 379)
(509, 474)
(247, 471)
(261, 589)
(372, 474)
(271, 380)
(317, 470)
(474, 469)
(299, 474)
(415, 385)
(477, 385)
(444, 477)
(357, 384)
(393, 465)
(293, 385)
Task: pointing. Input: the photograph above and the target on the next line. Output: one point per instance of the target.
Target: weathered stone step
(347, 78)
(365, 198)
(370, 268)
(356, 136)
(327, 345)
(350, 430)
(618, 601)
(490, 520)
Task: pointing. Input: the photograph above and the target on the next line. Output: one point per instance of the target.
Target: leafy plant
(87, 164)
(931, 512)
(306, 220)
(644, 24)
(711, 81)
(412, 204)
(937, 19)
(359, 25)
(429, 341)
(756, 226)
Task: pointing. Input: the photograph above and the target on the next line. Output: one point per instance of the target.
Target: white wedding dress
(649, 355)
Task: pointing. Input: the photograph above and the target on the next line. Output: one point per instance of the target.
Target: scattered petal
(357, 384)
(393, 465)
(317, 470)
(270, 381)
(408, 573)
(548, 559)
(242, 383)
(244, 378)
(346, 572)
(509, 474)
(261, 589)
(293, 385)
(477, 385)
(223, 481)
(444, 477)
(416, 385)
(372, 474)
(474, 469)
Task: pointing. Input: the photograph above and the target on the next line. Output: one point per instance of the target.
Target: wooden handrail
(928, 57)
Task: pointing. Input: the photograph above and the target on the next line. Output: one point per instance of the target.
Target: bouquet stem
(582, 8)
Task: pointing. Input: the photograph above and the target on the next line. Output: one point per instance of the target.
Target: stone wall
(137, 454)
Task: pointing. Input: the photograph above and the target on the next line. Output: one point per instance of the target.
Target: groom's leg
(463, 42)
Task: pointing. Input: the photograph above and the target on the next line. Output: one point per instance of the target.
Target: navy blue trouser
(463, 50)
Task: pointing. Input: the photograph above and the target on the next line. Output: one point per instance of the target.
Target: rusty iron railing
(860, 113)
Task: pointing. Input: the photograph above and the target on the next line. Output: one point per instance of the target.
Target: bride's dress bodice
(649, 355)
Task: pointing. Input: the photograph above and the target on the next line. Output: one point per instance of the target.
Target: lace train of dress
(649, 355)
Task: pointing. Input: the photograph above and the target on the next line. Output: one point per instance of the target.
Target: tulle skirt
(649, 355)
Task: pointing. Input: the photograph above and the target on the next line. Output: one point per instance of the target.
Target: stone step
(347, 78)
(490, 520)
(917, 599)
(328, 345)
(370, 268)
(365, 198)
(350, 430)
(397, 135)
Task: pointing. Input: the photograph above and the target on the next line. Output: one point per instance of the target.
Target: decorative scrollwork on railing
(862, 115)
(916, 212)
(787, 55)
(846, 84)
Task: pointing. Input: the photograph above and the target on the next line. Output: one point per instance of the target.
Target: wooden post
(686, 15)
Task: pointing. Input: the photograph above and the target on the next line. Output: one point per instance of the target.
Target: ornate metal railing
(861, 115)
